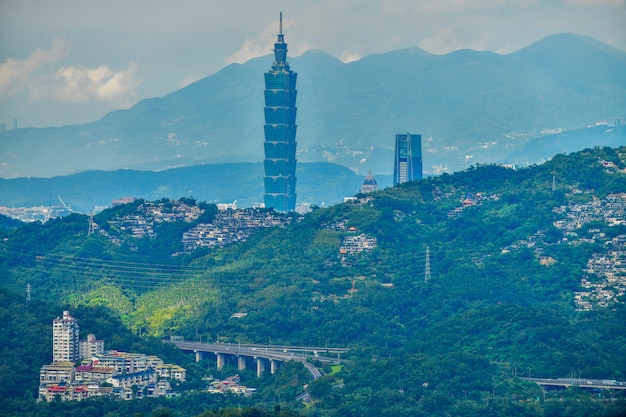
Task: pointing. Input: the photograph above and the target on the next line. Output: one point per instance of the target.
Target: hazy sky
(72, 61)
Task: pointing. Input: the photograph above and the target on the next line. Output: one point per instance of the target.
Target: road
(279, 353)
(579, 382)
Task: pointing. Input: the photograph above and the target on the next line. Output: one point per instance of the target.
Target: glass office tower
(280, 131)
(408, 158)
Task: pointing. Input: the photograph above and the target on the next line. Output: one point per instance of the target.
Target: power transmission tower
(91, 228)
(427, 265)
(554, 183)
(27, 292)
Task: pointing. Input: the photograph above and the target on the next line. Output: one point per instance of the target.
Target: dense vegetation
(492, 309)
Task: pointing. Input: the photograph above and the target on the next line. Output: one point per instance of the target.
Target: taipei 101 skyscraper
(280, 131)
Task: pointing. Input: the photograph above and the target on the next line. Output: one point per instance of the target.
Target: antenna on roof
(281, 24)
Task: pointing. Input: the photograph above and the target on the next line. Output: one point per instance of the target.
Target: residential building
(91, 347)
(63, 392)
(167, 370)
(57, 372)
(65, 339)
(280, 131)
(127, 380)
(407, 158)
(91, 372)
(126, 361)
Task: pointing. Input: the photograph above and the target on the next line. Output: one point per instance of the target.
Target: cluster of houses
(354, 245)
(82, 369)
(610, 210)
(231, 226)
(470, 200)
(141, 224)
(604, 279)
(605, 276)
(230, 385)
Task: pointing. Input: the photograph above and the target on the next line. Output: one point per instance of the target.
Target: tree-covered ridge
(8, 224)
(499, 300)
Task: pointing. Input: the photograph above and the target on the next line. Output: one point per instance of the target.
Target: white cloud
(263, 43)
(16, 75)
(350, 57)
(254, 47)
(77, 84)
(447, 39)
(41, 77)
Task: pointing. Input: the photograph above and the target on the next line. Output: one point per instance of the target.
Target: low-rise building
(91, 373)
(57, 372)
(170, 371)
(140, 378)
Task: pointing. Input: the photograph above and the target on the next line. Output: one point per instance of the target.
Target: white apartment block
(65, 339)
(91, 347)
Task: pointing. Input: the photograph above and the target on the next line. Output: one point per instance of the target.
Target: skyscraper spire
(280, 48)
(280, 130)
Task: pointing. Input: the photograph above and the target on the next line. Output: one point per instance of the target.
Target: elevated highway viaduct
(263, 354)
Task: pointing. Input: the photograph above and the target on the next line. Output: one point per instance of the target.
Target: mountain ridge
(319, 183)
(470, 107)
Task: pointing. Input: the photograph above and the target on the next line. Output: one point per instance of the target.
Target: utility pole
(427, 265)
(27, 293)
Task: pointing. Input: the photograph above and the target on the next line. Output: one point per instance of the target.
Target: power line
(137, 275)
(427, 265)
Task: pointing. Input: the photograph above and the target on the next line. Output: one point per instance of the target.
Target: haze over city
(68, 62)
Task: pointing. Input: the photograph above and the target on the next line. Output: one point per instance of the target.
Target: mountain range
(470, 107)
(319, 183)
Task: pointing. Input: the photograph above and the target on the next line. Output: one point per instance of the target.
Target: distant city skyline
(69, 61)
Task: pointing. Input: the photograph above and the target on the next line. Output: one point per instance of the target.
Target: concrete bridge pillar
(273, 366)
(199, 355)
(260, 367)
(241, 363)
(220, 361)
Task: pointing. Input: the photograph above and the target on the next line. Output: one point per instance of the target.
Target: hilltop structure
(369, 184)
(280, 131)
(407, 158)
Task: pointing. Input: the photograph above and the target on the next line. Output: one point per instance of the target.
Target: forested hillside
(446, 290)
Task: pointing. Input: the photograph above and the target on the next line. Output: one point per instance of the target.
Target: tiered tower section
(280, 131)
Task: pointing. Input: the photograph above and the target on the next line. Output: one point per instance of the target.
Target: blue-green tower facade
(408, 158)
(280, 131)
